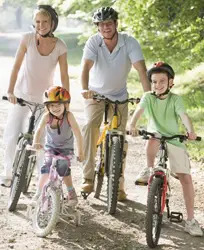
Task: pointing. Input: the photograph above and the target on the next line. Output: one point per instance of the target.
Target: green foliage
(167, 30)
(74, 50)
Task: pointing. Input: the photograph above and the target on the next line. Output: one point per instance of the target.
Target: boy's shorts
(178, 159)
(63, 165)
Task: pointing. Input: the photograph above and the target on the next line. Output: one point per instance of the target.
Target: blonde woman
(33, 73)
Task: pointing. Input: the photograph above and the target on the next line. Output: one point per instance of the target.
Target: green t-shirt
(163, 114)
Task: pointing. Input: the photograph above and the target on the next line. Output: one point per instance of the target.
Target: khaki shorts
(178, 159)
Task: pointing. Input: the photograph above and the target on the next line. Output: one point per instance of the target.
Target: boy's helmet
(160, 67)
(56, 94)
(104, 13)
(52, 13)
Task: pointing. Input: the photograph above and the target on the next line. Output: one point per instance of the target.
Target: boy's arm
(188, 125)
(77, 133)
(39, 130)
(136, 116)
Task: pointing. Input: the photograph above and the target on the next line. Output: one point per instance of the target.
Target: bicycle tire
(29, 173)
(115, 166)
(153, 218)
(44, 220)
(19, 171)
(99, 183)
(99, 175)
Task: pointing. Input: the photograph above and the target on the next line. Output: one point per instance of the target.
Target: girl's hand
(87, 94)
(192, 135)
(133, 130)
(80, 157)
(37, 146)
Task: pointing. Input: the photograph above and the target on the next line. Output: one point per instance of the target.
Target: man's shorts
(178, 159)
(63, 165)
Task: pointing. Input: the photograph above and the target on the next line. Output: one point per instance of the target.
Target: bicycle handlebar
(19, 100)
(161, 137)
(23, 102)
(99, 98)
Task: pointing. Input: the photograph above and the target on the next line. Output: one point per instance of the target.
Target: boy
(162, 109)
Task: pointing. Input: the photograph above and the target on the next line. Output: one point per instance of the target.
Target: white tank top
(37, 71)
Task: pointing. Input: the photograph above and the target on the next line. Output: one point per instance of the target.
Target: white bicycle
(50, 205)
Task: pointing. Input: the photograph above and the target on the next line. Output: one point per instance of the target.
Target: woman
(37, 57)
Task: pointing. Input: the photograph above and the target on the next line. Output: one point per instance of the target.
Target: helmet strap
(58, 120)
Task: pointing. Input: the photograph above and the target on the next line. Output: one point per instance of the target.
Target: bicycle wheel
(19, 171)
(46, 213)
(29, 173)
(99, 173)
(154, 215)
(115, 165)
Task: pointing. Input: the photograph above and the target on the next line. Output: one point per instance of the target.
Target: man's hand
(87, 94)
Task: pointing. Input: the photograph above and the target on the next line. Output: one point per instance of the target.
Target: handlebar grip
(198, 138)
(19, 100)
(5, 98)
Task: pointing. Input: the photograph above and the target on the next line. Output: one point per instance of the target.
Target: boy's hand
(192, 135)
(133, 130)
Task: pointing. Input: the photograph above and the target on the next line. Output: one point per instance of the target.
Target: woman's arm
(77, 133)
(14, 73)
(64, 71)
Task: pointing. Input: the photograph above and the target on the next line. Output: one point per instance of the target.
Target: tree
(168, 30)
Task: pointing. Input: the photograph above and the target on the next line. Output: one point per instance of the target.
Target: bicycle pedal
(176, 217)
(85, 195)
(138, 183)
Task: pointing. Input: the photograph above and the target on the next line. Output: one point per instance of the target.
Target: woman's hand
(12, 98)
(192, 135)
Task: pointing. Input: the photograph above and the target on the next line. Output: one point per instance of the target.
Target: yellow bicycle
(111, 153)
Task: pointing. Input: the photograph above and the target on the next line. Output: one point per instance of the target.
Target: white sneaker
(193, 228)
(143, 176)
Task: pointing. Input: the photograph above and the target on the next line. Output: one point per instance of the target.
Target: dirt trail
(123, 231)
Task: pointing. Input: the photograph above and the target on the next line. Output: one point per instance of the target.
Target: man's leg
(94, 114)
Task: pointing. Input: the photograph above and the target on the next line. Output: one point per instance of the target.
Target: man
(107, 60)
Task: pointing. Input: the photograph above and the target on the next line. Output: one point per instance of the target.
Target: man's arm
(64, 71)
(142, 71)
(136, 116)
(86, 67)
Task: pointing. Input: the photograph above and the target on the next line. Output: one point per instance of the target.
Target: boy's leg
(191, 226)
(152, 147)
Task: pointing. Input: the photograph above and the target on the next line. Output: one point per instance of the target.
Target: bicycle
(24, 163)
(51, 203)
(111, 153)
(159, 190)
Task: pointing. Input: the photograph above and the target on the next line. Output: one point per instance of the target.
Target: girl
(59, 124)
